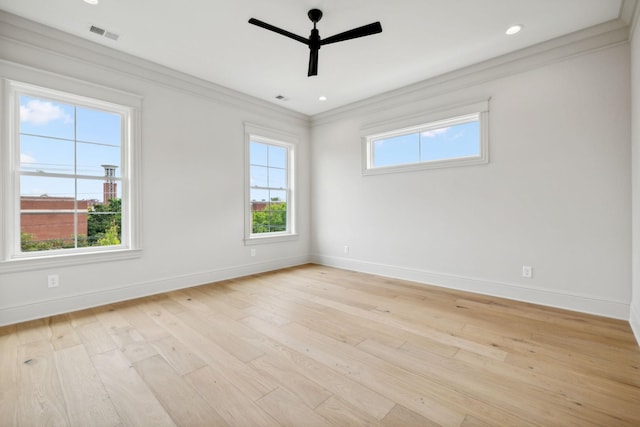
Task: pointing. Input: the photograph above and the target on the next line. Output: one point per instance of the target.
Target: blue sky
(455, 141)
(58, 138)
(268, 169)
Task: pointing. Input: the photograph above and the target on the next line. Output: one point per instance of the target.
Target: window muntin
(71, 170)
(269, 187)
(456, 141)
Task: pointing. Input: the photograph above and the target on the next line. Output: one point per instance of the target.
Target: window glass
(450, 142)
(396, 150)
(269, 192)
(70, 185)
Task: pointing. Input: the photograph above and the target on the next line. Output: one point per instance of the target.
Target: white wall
(192, 184)
(635, 134)
(555, 195)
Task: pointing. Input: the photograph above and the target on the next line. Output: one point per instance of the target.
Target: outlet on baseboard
(527, 271)
(53, 280)
(346, 249)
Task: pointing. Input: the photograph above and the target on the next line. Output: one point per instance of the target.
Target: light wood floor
(316, 346)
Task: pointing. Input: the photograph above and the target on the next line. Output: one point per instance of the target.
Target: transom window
(270, 177)
(455, 141)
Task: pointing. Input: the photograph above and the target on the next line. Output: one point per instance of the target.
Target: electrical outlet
(53, 280)
(346, 249)
(527, 271)
(253, 251)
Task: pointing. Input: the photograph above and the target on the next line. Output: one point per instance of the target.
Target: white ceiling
(211, 39)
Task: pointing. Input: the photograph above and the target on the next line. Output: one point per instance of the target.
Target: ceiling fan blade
(313, 63)
(285, 33)
(365, 30)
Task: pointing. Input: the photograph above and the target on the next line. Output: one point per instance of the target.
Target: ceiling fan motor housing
(315, 15)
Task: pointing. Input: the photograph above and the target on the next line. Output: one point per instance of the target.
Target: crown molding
(578, 43)
(630, 13)
(15, 30)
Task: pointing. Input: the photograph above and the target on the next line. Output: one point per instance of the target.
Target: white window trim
(441, 118)
(51, 85)
(267, 135)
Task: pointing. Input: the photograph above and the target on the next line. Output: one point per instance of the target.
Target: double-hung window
(455, 138)
(270, 196)
(68, 174)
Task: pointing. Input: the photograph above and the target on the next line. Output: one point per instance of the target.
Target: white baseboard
(49, 307)
(634, 321)
(551, 298)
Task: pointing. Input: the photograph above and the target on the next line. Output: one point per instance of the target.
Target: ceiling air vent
(112, 36)
(102, 32)
(97, 30)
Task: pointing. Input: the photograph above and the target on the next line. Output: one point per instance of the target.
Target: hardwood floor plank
(403, 309)
(86, 399)
(288, 410)
(359, 396)
(243, 376)
(471, 421)
(63, 335)
(81, 317)
(40, 398)
(235, 338)
(593, 406)
(612, 331)
(9, 376)
(401, 416)
(185, 406)
(549, 367)
(134, 401)
(340, 413)
(223, 301)
(234, 406)
(112, 321)
(396, 384)
(95, 338)
(307, 391)
(407, 326)
(181, 359)
(192, 300)
(33, 330)
(475, 391)
(141, 322)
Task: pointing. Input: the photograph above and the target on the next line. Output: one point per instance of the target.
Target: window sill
(66, 260)
(436, 164)
(259, 240)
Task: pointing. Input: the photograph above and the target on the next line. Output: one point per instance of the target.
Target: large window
(70, 170)
(270, 187)
(452, 141)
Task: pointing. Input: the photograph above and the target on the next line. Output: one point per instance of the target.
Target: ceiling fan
(315, 42)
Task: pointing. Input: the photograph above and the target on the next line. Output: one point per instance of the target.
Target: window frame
(269, 136)
(58, 89)
(451, 116)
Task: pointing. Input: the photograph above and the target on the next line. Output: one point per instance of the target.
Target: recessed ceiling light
(514, 29)
(94, 2)
(322, 98)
